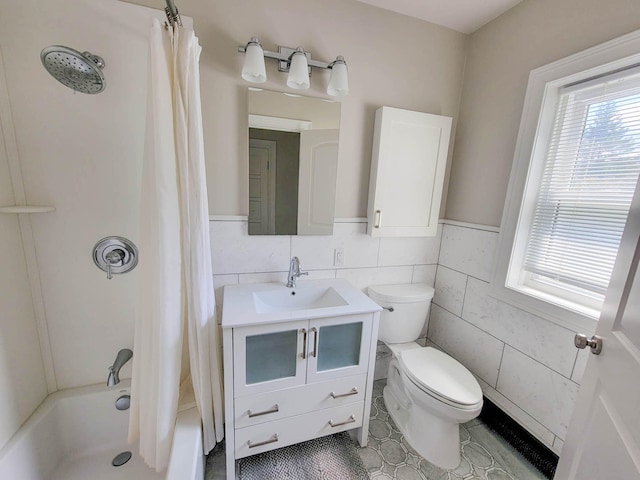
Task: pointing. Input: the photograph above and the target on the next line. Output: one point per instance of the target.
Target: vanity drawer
(266, 407)
(299, 428)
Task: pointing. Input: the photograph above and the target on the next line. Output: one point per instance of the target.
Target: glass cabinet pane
(339, 346)
(271, 356)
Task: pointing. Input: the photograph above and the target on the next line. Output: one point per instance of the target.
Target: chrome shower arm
(173, 16)
(172, 8)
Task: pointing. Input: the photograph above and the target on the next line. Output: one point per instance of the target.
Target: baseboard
(539, 455)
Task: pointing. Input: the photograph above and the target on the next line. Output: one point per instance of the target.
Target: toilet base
(435, 439)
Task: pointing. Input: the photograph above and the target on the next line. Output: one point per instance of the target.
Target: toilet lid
(442, 375)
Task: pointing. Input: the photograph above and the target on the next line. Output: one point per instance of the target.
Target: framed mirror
(293, 163)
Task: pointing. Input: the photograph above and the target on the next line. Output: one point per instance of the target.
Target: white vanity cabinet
(408, 166)
(288, 381)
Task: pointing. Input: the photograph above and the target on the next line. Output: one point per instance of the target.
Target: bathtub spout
(123, 357)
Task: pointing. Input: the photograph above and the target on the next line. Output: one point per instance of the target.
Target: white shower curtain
(176, 348)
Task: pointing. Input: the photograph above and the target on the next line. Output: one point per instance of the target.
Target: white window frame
(533, 137)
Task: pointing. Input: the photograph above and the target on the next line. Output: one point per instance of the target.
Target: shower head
(80, 71)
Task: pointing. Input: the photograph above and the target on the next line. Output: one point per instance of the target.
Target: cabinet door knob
(378, 219)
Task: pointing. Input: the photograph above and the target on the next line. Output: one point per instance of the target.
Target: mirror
(293, 163)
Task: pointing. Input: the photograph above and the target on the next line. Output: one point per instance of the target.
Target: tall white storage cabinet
(407, 173)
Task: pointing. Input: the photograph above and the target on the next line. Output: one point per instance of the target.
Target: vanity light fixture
(298, 71)
(295, 61)
(253, 69)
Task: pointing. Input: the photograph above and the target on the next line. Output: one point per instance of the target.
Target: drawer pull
(353, 391)
(351, 419)
(273, 439)
(274, 409)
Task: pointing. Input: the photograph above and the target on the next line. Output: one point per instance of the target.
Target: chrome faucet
(123, 357)
(294, 272)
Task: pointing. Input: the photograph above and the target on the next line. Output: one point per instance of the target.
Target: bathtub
(75, 434)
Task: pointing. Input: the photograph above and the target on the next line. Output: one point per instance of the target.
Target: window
(583, 198)
(575, 172)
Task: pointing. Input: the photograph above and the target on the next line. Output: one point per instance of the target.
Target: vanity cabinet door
(338, 347)
(269, 357)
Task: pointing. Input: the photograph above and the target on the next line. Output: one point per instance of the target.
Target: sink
(297, 299)
(262, 303)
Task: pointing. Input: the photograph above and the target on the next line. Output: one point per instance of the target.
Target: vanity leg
(363, 437)
(231, 466)
(363, 432)
(229, 440)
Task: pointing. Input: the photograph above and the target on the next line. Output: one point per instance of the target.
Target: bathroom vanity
(298, 364)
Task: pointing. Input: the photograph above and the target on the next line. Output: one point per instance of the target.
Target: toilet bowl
(428, 393)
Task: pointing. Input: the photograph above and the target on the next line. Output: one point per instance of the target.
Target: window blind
(589, 177)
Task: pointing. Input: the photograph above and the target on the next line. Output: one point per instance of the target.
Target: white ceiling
(465, 16)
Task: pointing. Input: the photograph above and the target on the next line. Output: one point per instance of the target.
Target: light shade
(298, 71)
(339, 81)
(253, 69)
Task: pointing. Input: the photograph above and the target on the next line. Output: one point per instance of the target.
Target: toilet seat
(442, 377)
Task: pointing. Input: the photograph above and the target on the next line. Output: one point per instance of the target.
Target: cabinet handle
(304, 343)
(353, 391)
(273, 439)
(274, 409)
(351, 419)
(315, 342)
(378, 219)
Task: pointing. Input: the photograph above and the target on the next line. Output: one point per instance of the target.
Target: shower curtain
(176, 350)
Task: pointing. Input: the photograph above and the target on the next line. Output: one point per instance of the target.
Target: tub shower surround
(526, 365)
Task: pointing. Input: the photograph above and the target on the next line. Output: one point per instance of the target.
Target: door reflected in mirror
(293, 163)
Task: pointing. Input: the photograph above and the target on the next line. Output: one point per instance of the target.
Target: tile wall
(525, 364)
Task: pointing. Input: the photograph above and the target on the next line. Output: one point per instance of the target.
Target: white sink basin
(297, 299)
(259, 303)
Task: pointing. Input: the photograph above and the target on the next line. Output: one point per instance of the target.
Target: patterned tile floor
(485, 456)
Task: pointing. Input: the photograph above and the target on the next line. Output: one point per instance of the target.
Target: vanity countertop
(264, 303)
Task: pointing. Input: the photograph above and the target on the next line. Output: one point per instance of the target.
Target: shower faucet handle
(114, 258)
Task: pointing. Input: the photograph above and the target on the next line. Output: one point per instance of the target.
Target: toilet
(428, 393)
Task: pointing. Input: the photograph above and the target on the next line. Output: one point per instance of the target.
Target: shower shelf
(27, 209)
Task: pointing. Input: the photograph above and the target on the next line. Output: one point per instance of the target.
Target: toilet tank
(410, 304)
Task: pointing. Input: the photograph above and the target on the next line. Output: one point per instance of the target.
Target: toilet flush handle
(388, 308)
